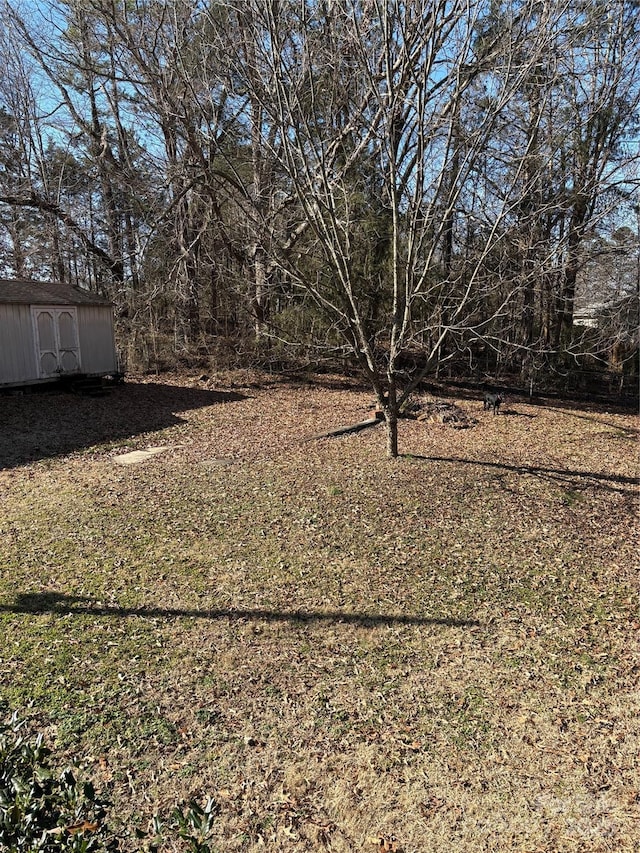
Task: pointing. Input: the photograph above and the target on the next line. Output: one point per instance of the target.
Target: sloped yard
(440, 651)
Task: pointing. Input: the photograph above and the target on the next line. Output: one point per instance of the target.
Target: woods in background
(399, 183)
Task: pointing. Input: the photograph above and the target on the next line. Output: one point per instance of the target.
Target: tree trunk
(259, 301)
(15, 231)
(391, 425)
(390, 410)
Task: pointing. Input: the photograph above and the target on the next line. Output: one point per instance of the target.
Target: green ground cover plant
(317, 646)
(42, 811)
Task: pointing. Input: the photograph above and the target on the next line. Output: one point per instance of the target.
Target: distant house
(50, 331)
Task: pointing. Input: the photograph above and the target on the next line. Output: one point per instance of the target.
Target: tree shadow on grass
(73, 605)
(631, 431)
(44, 425)
(565, 477)
(514, 413)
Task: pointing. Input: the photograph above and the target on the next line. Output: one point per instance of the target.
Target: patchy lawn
(337, 647)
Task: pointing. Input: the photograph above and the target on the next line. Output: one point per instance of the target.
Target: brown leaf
(387, 843)
(82, 826)
(431, 806)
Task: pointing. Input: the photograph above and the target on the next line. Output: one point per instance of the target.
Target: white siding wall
(18, 350)
(17, 347)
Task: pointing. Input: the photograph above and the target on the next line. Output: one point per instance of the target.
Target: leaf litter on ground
(440, 649)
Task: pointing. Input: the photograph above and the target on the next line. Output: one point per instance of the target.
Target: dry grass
(337, 647)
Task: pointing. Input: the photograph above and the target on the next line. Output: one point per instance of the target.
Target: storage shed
(50, 331)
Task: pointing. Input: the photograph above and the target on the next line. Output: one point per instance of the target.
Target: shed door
(57, 346)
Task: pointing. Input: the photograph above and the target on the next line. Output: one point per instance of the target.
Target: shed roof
(46, 293)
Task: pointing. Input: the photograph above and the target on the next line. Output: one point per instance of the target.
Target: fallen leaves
(74, 828)
(385, 843)
(431, 806)
(333, 642)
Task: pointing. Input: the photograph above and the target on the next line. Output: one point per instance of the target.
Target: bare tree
(362, 88)
(410, 180)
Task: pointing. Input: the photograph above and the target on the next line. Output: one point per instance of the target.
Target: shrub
(45, 812)
(41, 811)
(191, 823)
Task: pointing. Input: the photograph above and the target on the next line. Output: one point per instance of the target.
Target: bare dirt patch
(439, 652)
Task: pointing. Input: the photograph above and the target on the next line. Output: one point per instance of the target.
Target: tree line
(399, 183)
